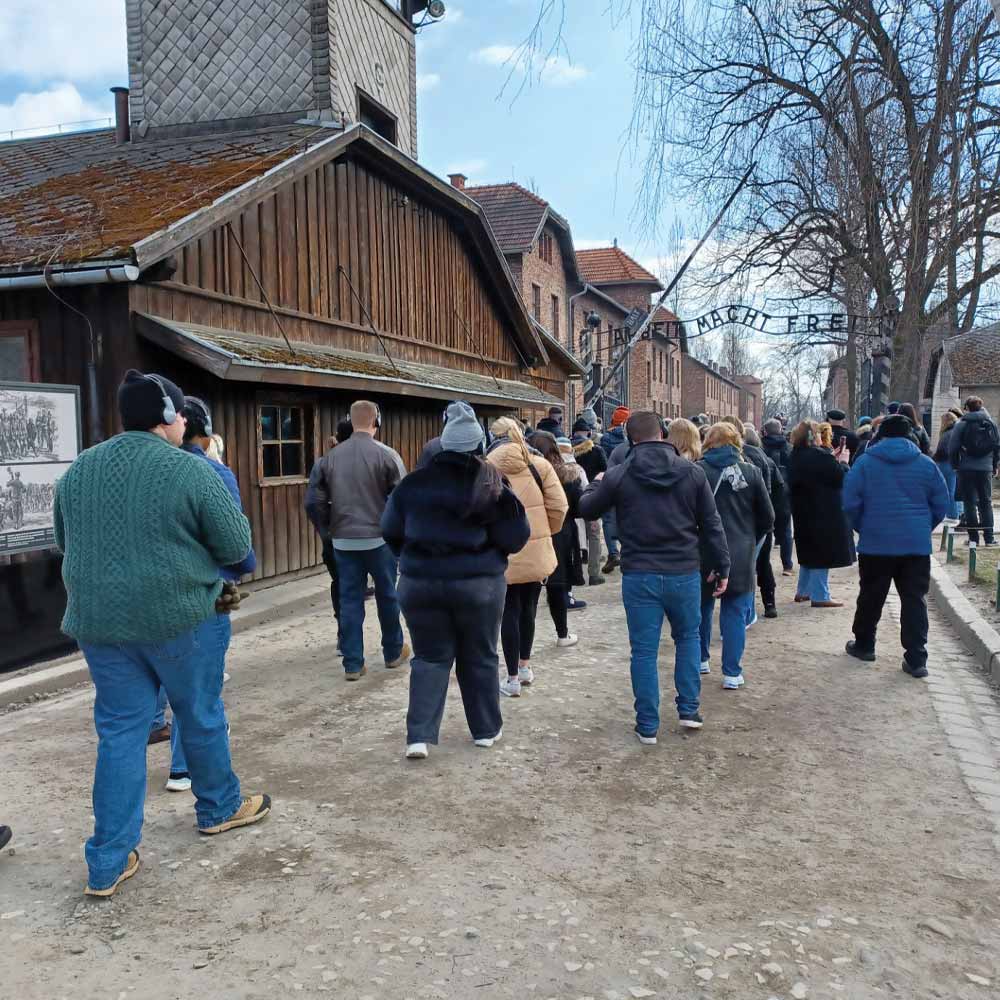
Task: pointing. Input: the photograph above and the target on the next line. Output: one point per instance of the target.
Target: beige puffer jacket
(546, 512)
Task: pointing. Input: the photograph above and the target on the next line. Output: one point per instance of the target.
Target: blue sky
(564, 135)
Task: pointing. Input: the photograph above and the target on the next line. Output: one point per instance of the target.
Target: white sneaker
(570, 640)
(525, 675)
(416, 751)
(488, 742)
(178, 783)
(225, 676)
(753, 621)
(511, 687)
(732, 683)
(706, 667)
(646, 741)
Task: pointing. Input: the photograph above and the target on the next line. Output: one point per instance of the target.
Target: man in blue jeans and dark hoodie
(144, 528)
(664, 507)
(894, 497)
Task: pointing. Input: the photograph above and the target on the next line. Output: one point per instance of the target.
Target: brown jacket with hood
(546, 509)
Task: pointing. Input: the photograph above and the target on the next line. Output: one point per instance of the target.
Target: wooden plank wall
(408, 262)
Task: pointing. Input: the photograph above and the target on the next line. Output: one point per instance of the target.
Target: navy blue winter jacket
(893, 497)
(611, 439)
(428, 523)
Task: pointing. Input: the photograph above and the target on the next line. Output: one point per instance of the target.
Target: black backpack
(979, 438)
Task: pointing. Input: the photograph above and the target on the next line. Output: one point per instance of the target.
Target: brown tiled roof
(514, 213)
(974, 358)
(664, 315)
(242, 356)
(612, 266)
(80, 197)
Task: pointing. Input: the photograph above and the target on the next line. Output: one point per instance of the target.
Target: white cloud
(82, 41)
(557, 71)
(427, 81)
(470, 167)
(41, 110)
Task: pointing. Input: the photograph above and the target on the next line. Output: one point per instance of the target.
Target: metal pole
(637, 336)
(945, 531)
(951, 547)
(997, 601)
(972, 562)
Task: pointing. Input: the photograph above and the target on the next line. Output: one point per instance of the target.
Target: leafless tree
(902, 98)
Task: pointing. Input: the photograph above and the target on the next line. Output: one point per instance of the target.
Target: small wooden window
(536, 302)
(19, 352)
(555, 316)
(377, 117)
(545, 247)
(284, 437)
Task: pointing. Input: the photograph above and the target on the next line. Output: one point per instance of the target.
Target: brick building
(537, 244)
(707, 388)
(751, 399)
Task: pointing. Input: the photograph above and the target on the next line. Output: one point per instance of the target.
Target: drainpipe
(123, 130)
(86, 276)
(572, 334)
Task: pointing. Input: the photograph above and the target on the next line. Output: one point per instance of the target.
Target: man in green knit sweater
(144, 527)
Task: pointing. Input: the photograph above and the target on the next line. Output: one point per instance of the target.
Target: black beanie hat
(140, 400)
(895, 426)
(581, 426)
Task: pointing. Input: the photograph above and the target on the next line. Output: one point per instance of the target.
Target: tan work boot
(252, 810)
(404, 655)
(131, 867)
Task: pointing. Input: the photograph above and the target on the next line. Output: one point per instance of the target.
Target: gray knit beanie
(462, 431)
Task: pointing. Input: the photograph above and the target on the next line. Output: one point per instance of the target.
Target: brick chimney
(458, 181)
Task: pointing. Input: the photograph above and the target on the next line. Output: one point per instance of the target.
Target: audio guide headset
(169, 414)
(199, 411)
(378, 417)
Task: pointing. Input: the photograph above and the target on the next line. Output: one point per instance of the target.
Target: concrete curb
(270, 604)
(982, 639)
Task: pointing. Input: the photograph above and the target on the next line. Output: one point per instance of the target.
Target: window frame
(376, 110)
(26, 329)
(282, 401)
(536, 301)
(556, 309)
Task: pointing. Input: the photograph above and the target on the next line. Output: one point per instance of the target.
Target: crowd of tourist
(155, 542)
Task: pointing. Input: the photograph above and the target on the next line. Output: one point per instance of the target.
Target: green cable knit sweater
(144, 528)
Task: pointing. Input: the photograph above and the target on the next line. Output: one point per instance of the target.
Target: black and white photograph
(37, 424)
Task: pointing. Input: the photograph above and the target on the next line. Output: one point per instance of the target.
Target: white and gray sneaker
(569, 640)
(416, 751)
(732, 683)
(706, 667)
(646, 741)
(525, 675)
(179, 782)
(511, 687)
(488, 741)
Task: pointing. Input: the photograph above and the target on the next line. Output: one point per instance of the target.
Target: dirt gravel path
(817, 839)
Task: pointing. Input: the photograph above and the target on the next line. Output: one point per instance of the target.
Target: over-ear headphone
(378, 417)
(169, 414)
(200, 412)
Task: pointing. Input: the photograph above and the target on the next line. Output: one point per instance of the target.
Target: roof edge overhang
(223, 364)
(562, 354)
(369, 146)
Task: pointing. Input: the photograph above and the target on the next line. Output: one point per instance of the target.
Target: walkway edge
(282, 601)
(982, 639)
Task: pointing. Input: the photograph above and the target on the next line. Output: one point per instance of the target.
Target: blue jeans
(160, 719)
(353, 569)
(647, 597)
(814, 583)
(610, 522)
(950, 480)
(733, 614)
(127, 678)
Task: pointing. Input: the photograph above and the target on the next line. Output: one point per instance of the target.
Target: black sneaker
(574, 605)
(852, 649)
(914, 671)
(611, 565)
(991, 544)
(692, 721)
(5, 835)
(770, 611)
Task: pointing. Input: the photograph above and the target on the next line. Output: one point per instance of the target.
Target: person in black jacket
(823, 537)
(453, 524)
(777, 448)
(569, 571)
(665, 510)
(974, 450)
(917, 430)
(747, 518)
(591, 458)
(837, 420)
(778, 495)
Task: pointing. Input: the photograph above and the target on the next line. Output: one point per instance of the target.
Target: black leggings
(557, 597)
(517, 629)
